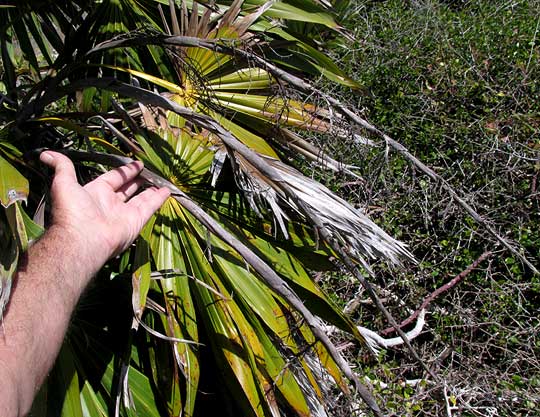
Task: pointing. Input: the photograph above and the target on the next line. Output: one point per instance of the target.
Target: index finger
(117, 177)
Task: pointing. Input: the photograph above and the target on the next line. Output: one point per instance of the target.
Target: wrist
(82, 251)
(89, 238)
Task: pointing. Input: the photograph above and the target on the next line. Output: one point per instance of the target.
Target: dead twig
(278, 73)
(453, 282)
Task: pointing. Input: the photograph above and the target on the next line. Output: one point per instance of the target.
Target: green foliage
(456, 82)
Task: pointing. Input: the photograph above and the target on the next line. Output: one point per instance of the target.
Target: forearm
(90, 224)
(46, 290)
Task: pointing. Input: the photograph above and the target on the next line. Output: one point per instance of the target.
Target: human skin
(90, 224)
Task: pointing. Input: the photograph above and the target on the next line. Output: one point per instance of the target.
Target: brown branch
(453, 282)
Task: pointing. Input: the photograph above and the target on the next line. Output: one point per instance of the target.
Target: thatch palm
(218, 277)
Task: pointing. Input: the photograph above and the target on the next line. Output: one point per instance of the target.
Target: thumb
(62, 165)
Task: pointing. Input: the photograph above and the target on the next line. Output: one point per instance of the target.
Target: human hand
(102, 215)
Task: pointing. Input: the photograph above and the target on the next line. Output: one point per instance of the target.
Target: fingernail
(46, 157)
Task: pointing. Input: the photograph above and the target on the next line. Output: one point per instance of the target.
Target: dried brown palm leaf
(361, 237)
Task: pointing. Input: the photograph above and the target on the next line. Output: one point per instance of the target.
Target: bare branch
(453, 282)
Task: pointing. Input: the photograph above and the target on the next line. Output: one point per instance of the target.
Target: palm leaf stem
(257, 161)
(313, 153)
(265, 271)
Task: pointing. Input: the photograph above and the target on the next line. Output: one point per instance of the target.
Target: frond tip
(362, 239)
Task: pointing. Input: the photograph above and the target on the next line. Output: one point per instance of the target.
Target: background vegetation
(456, 83)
